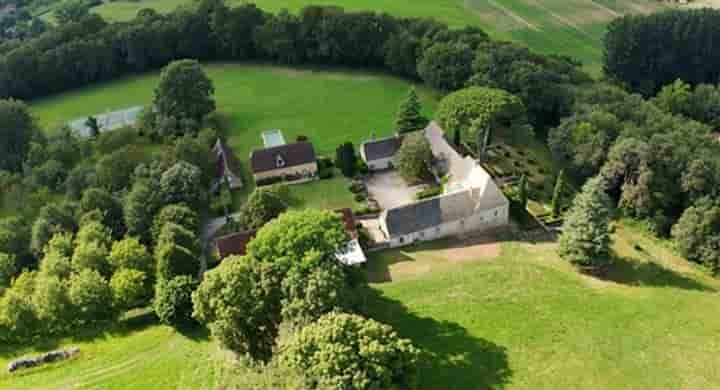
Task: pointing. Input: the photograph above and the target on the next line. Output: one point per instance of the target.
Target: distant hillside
(569, 27)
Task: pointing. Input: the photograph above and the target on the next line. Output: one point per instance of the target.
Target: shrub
(268, 181)
(173, 300)
(356, 186)
(429, 192)
(347, 351)
(325, 174)
(366, 210)
(360, 197)
(324, 163)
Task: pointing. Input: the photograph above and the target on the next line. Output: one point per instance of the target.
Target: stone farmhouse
(378, 154)
(471, 201)
(290, 162)
(227, 167)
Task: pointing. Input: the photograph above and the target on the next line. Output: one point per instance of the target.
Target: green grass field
(569, 27)
(328, 106)
(517, 318)
(527, 320)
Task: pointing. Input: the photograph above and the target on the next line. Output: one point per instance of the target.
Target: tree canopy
(409, 116)
(346, 351)
(17, 130)
(414, 158)
(585, 238)
(489, 108)
(184, 92)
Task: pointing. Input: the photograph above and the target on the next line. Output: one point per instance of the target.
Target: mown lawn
(329, 106)
(568, 27)
(135, 354)
(520, 319)
(526, 320)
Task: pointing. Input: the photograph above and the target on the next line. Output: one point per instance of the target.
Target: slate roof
(298, 153)
(234, 244)
(425, 214)
(382, 148)
(226, 159)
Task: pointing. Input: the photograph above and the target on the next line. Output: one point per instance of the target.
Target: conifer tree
(585, 239)
(557, 194)
(456, 137)
(522, 191)
(409, 117)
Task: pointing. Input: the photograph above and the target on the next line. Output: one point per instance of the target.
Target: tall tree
(585, 239)
(346, 159)
(446, 66)
(409, 117)
(264, 205)
(17, 130)
(414, 158)
(522, 191)
(380, 358)
(71, 11)
(557, 193)
(184, 92)
(488, 107)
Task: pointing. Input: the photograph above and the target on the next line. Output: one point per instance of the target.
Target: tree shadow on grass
(453, 358)
(378, 268)
(648, 273)
(132, 322)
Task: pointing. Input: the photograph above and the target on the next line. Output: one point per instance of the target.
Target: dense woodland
(100, 223)
(646, 52)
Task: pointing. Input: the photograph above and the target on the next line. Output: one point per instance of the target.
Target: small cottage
(227, 167)
(378, 154)
(290, 162)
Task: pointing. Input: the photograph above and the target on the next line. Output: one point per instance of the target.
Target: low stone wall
(49, 357)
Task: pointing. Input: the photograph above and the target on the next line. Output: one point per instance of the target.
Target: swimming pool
(273, 138)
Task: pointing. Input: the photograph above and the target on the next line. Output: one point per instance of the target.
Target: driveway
(390, 190)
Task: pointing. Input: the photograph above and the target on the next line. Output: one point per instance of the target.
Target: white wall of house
(379, 165)
(309, 169)
(479, 222)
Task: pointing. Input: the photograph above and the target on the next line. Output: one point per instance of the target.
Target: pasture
(568, 27)
(327, 106)
(508, 315)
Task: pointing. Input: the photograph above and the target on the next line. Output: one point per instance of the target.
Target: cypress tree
(585, 239)
(346, 159)
(409, 117)
(557, 194)
(522, 191)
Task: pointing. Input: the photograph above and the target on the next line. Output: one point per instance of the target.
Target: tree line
(89, 49)
(647, 52)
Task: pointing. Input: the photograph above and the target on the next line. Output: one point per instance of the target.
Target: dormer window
(279, 161)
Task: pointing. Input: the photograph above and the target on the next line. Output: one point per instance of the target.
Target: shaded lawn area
(528, 320)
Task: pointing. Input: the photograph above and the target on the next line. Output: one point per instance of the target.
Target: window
(402, 239)
(437, 229)
(496, 213)
(279, 161)
(422, 234)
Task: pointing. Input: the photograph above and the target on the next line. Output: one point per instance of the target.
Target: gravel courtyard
(390, 190)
